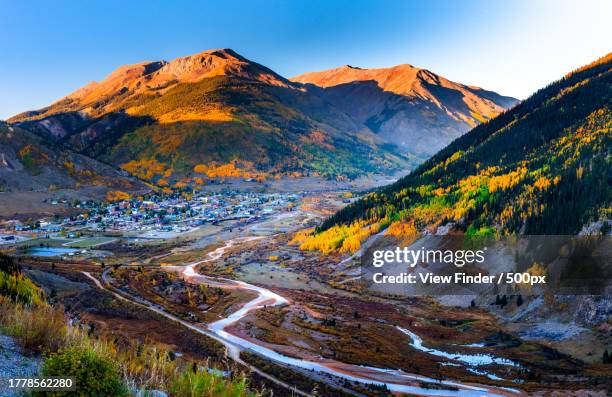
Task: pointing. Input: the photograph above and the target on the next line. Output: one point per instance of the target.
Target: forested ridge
(542, 167)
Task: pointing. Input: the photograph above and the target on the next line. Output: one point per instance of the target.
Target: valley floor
(242, 292)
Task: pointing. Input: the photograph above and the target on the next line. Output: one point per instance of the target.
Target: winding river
(395, 380)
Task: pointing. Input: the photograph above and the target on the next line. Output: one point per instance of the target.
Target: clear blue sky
(50, 48)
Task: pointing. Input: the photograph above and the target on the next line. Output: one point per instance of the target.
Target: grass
(90, 242)
(40, 329)
(203, 383)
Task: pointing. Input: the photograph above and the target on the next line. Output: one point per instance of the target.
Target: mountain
(29, 163)
(543, 167)
(219, 113)
(215, 111)
(412, 107)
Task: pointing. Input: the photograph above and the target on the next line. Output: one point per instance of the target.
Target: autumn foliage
(145, 169)
(117, 195)
(343, 238)
(233, 169)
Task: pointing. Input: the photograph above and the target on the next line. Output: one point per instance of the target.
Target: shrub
(94, 375)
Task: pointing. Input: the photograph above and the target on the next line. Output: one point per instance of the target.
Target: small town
(153, 216)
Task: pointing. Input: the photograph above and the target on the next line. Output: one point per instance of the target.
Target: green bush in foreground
(95, 376)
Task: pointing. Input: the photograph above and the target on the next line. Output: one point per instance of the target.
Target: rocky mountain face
(412, 107)
(218, 110)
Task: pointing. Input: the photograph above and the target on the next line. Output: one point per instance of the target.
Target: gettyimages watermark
(460, 265)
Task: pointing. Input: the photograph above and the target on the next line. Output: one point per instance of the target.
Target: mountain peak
(226, 53)
(154, 77)
(404, 79)
(219, 62)
(390, 101)
(347, 74)
(175, 108)
(214, 108)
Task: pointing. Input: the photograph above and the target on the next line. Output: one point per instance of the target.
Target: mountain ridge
(414, 107)
(160, 75)
(217, 108)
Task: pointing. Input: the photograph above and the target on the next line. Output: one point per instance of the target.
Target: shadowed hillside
(29, 163)
(412, 107)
